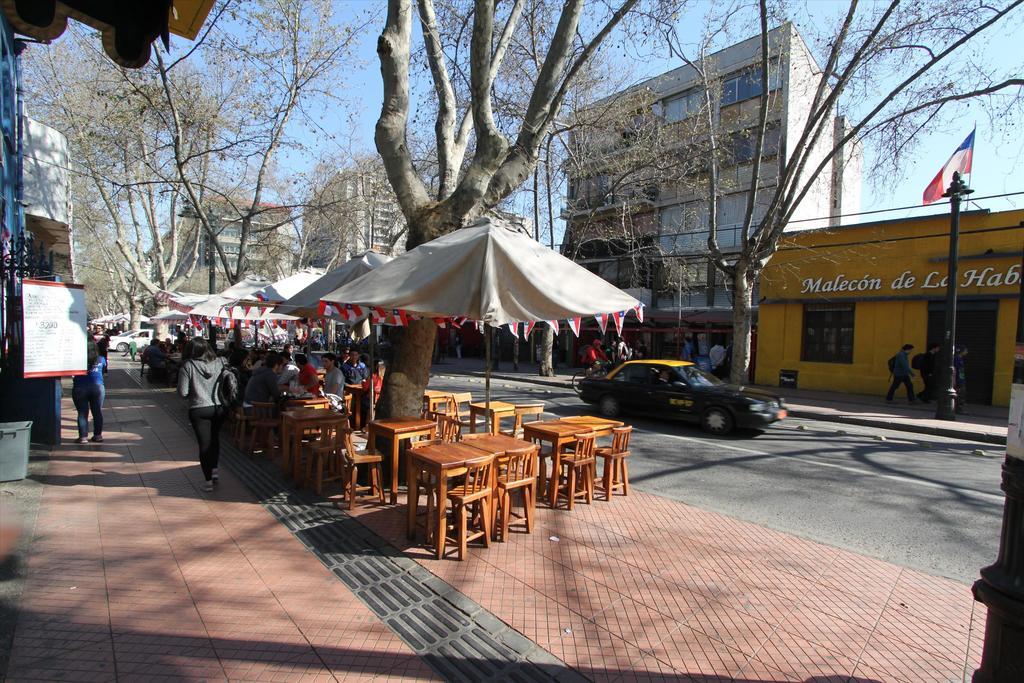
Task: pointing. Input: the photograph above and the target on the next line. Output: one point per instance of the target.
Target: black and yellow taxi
(679, 389)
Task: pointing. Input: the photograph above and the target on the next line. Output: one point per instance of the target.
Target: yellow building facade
(837, 303)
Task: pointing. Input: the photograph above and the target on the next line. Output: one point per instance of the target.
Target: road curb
(983, 437)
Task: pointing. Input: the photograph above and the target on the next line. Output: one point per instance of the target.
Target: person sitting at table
(334, 380)
(264, 385)
(377, 378)
(354, 369)
(156, 358)
(288, 376)
(307, 380)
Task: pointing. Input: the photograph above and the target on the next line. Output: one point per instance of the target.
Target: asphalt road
(918, 501)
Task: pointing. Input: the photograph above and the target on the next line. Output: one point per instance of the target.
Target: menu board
(55, 322)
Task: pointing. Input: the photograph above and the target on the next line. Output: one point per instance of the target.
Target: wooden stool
(518, 473)
(352, 460)
(616, 471)
(578, 468)
(326, 461)
(471, 499)
(240, 425)
(264, 421)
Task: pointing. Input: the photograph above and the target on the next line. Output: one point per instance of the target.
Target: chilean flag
(959, 162)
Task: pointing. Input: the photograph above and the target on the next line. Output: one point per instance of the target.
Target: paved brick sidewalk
(645, 588)
(135, 574)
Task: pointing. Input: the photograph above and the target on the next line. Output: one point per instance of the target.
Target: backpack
(892, 365)
(917, 361)
(228, 387)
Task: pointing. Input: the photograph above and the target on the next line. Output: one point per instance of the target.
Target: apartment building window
(828, 333)
(683, 106)
(740, 145)
(684, 228)
(747, 84)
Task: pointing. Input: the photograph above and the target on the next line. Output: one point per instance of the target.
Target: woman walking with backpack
(198, 381)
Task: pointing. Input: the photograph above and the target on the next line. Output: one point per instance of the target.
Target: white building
(668, 215)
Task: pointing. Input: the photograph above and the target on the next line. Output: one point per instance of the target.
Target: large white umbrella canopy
(169, 317)
(237, 302)
(288, 287)
(488, 272)
(245, 289)
(306, 303)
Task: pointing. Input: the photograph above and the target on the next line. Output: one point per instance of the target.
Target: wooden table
(313, 402)
(498, 444)
(396, 429)
(602, 425)
(559, 434)
(499, 410)
(434, 399)
(293, 423)
(438, 460)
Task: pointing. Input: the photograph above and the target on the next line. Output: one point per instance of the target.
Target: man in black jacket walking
(925, 364)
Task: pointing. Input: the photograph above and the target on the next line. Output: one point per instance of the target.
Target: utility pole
(946, 404)
(1001, 586)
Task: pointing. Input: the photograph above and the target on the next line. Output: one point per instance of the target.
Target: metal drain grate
(459, 639)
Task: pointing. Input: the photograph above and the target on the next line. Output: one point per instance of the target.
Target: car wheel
(122, 347)
(717, 421)
(609, 406)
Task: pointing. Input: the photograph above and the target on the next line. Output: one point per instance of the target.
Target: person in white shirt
(289, 377)
(334, 379)
(717, 357)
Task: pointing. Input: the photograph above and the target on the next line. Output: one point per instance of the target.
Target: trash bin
(787, 378)
(14, 440)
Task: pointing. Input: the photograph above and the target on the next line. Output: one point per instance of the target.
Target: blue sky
(997, 153)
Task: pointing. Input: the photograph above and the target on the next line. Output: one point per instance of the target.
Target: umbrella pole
(487, 377)
(373, 368)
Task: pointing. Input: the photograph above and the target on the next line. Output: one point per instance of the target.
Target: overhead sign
(981, 278)
(55, 334)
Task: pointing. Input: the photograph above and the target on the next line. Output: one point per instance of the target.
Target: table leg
(556, 467)
(285, 437)
(412, 500)
(472, 420)
(394, 470)
(440, 532)
(297, 475)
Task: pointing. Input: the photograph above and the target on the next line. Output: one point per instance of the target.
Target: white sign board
(54, 318)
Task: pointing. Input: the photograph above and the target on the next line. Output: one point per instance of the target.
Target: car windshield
(696, 377)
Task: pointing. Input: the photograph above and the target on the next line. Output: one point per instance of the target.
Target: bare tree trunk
(410, 369)
(160, 329)
(547, 343)
(741, 327)
(134, 313)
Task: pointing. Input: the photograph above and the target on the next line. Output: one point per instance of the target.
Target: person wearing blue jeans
(88, 392)
(902, 374)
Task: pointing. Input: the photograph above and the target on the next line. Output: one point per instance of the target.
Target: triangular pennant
(639, 312)
(513, 328)
(619, 317)
(574, 325)
(553, 324)
(602, 321)
(527, 329)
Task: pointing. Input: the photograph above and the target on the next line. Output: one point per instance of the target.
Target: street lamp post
(946, 405)
(1001, 586)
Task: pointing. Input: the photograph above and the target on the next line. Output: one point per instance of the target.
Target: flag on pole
(960, 162)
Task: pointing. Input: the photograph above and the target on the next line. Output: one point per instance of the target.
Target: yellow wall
(889, 311)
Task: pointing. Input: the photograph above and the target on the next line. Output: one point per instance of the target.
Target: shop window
(828, 333)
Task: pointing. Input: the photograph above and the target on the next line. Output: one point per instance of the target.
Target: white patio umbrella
(170, 317)
(281, 290)
(488, 272)
(306, 303)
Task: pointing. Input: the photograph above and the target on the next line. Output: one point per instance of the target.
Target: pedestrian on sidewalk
(197, 381)
(960, 378)
(88, 392)
(924, 363)
(899, 366)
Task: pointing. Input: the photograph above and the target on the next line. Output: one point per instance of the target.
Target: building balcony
(644, 197)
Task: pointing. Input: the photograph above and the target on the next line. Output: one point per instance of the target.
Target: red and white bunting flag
(527, 329)
(441, 322)
(247, 309)
(602, 321)
(513, 328)
(619, 318)
(553, 324)
(575, 324)
(639, 312)
(399, 318)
